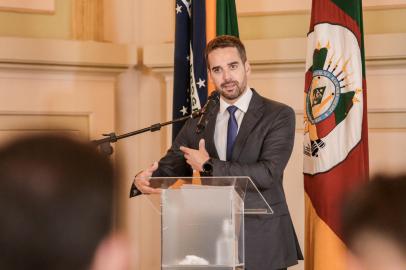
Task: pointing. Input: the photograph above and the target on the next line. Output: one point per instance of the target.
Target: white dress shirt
(220, 132)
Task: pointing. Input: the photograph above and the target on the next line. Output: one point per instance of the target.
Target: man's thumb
(154, 166)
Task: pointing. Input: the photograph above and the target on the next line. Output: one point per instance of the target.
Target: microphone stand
(105, 143)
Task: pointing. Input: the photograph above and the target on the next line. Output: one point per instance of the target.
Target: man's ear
(247, 67)
(113, 252)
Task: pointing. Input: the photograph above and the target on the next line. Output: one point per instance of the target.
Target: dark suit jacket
(261, 151)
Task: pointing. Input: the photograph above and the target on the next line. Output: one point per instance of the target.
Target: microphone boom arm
(105, 143)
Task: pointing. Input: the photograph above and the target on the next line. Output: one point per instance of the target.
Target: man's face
(228, 72)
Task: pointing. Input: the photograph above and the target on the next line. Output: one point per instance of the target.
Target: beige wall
(38, 25)
(297, 25)
(140, 102)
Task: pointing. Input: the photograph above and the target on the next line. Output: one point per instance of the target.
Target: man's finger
(143, 186)
(141, 182)
(144, 175)
(149, 190)
(156, 191)
(185, 149)
(153, 167)
(202, 145)
(191, 165)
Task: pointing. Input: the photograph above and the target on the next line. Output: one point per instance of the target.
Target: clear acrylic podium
(202, 220)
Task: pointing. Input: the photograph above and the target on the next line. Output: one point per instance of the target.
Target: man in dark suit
(246, 135)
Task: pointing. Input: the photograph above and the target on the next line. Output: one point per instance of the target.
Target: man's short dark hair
(225, 41)
(379, 207)
(56, 202)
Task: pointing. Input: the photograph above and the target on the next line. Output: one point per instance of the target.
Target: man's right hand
(142, 180)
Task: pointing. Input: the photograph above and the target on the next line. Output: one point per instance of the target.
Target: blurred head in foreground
(374, 225)
(56, 203)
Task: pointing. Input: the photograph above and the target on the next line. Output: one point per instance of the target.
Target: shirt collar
(242, 103)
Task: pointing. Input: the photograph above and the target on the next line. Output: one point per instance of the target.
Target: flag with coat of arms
(336, 131)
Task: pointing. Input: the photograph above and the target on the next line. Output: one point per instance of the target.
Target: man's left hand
(196, 158)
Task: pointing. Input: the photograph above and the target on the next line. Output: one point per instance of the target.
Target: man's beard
(234, 95)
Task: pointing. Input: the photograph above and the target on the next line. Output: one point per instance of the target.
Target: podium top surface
(253, 201)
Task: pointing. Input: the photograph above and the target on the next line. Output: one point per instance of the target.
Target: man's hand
(142, 180)
(196, 158)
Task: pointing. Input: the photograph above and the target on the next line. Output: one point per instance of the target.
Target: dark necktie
(232, 130)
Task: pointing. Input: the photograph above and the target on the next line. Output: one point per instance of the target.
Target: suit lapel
(251, 118)
(209, 133)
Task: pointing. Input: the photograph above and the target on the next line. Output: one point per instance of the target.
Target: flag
(194, 27)
(190, 72)
(227, 23)
(335, 139)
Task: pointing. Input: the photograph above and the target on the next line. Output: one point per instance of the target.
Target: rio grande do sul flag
(336, 133)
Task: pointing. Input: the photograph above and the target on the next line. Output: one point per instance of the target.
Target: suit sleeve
(173, 163)
(274, 155)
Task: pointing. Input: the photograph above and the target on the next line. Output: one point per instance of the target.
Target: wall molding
(273, 7)
(27, 6)
(66, 54)
(39, 122)
(63, 74)
(289, 53)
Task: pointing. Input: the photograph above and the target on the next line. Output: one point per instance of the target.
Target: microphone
(212, 100)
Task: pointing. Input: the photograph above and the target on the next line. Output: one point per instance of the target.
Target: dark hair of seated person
(379, 207)
(56, 198)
